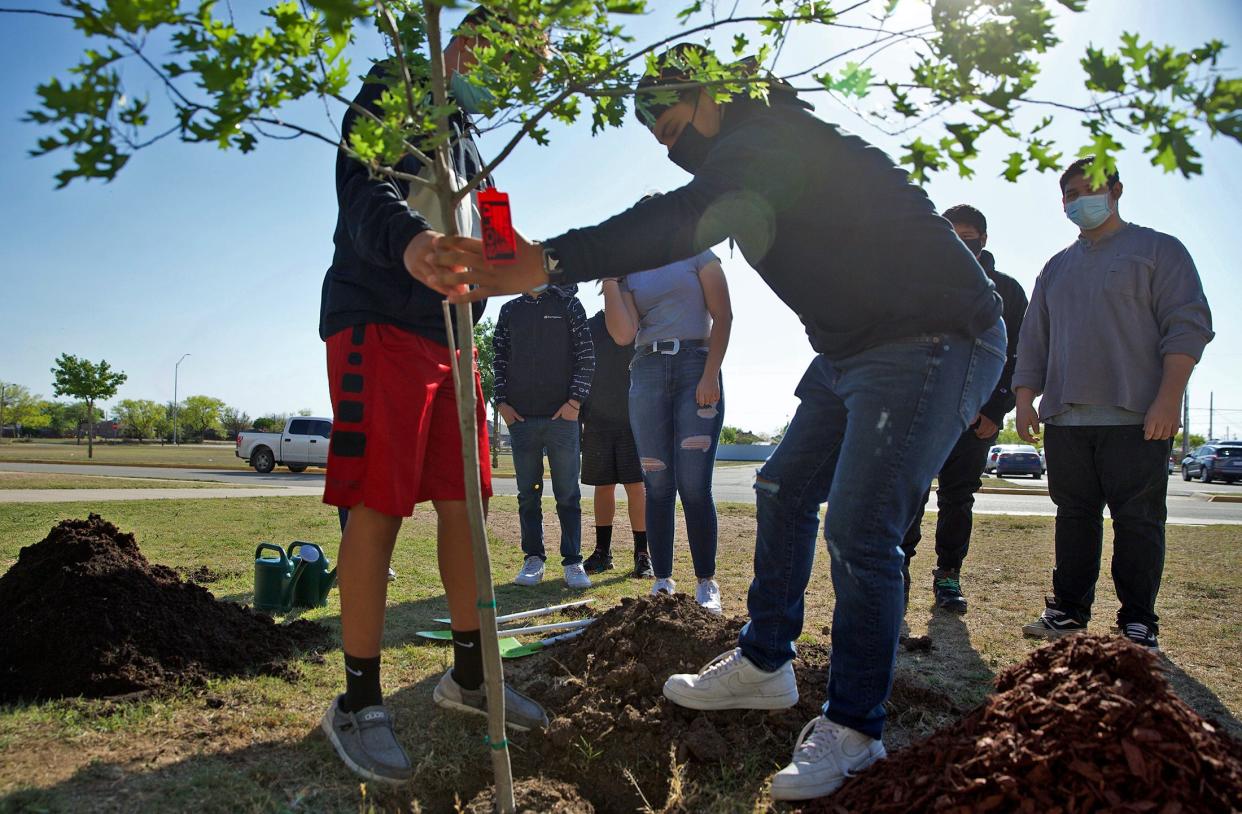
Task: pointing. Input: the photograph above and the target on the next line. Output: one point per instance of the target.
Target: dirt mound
(86, 614)
(612, 724)
(1086, 724)
(535, 795)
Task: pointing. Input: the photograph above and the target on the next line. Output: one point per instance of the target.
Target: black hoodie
(1002, 399)
(367, 281)
(830, 223)
(543, 352)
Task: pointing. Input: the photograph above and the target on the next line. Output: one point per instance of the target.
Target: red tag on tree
(499, 240)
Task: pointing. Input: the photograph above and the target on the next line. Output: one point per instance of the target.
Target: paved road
(732, 483)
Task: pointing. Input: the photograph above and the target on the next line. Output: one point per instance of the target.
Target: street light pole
(176, 370)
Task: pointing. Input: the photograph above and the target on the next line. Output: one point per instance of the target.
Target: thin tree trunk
(90, 429)
(462, 357)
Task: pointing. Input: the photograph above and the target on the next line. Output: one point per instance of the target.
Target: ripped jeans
(677, 442)
(885, 419)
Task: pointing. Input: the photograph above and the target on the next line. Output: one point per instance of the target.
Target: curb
(1221, 498)
(1012, 490)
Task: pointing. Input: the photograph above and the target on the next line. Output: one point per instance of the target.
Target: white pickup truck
(303, 443)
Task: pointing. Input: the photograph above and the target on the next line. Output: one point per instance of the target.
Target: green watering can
(311, 580)
(286, 581)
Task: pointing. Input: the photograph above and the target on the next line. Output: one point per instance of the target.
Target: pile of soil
(534, 795)
(603, 693)
(86, 614)
(1088, 723)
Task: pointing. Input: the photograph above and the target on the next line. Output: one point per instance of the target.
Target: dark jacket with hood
(830, 223)
(609, 404)
(367, 281)
(1003, 399)
(543, 352)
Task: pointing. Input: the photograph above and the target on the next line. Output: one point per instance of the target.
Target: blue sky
(221, 255)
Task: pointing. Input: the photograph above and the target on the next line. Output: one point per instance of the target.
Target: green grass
(39, 480)
(253, 744)
(185, 456)
(198, 456)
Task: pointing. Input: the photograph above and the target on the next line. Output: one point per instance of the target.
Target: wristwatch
(551, 267)
(552, 264)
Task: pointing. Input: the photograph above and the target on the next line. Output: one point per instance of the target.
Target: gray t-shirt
(670, 301)
(1103, 316)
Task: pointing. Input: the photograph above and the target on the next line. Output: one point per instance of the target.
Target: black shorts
(609, 455)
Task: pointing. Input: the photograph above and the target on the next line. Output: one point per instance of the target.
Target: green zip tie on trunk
(502, 744)
(482, 605)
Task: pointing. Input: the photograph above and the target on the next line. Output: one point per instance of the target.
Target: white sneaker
(732, 681)
(826, 754)
(664, 585)
(531, 573)
(576, 576)
(708, 595)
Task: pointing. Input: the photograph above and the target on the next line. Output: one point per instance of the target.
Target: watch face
(551, 262)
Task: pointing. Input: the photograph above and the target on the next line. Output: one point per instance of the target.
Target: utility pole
(176, 370)
(1186, 423)
(1211, 416)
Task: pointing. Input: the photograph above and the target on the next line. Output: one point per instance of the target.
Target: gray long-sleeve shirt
(1103, 316)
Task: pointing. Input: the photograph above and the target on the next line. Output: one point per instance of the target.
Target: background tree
(199, 415)
(88, 381)
(20, 408)
(66, 419)
(483, 333)
(728, 435)
(233, 421)
(1009, 433)
(139, 418)
(1195, 439)
(272, 422)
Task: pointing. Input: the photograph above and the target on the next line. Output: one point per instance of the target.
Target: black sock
(362, 684)
(467, 659)
(640, 542)
(603, 539)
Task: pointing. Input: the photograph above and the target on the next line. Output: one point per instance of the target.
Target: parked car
(1043, 461)
(1215, 460)
(303, 443)
(1019, 462)
(995, 452)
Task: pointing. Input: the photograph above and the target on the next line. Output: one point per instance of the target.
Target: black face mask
(690, 150)
(975, 244)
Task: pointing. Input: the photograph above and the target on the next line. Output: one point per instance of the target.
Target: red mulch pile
(84, 613)
(1088, 723)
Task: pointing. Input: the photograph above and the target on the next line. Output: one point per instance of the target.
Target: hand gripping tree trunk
(462, 358)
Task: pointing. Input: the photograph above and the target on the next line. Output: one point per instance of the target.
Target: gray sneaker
(576, 576)
(365, 741)
(521, 713)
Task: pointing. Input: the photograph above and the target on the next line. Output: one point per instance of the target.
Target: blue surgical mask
(471, 98)
(1089, 211)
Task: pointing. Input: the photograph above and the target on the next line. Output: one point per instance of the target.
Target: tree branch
(40, 13)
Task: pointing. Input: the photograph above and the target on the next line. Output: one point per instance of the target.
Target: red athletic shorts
(395, 437)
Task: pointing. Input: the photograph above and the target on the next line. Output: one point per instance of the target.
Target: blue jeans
(885, 419)
(677, 442)
(559, 439)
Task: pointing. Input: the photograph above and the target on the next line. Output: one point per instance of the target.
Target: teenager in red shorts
(395, 436)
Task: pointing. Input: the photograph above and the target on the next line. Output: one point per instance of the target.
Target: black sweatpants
(1093, 467)
(959, 479)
